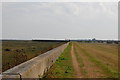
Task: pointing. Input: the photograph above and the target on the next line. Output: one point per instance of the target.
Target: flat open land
(86, 60)
(15, 52)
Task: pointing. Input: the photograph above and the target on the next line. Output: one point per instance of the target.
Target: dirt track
(75, 64)
(90, 61)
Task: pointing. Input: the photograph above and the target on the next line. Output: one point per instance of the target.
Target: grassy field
(95, 60)
(15, 52)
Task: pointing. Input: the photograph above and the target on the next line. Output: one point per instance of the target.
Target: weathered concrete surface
(36, 67)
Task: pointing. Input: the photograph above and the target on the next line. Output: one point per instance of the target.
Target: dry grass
(95, 61)
(16, 52)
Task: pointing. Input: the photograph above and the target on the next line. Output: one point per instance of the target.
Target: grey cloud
(60, 20)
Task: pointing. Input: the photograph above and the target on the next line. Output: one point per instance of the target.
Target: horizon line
(57, 39)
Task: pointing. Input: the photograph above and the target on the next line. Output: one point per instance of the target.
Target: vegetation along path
(86, 60)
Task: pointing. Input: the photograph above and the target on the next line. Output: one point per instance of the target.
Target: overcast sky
(79, 20)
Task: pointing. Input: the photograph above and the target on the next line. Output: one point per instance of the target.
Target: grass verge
(62, 68)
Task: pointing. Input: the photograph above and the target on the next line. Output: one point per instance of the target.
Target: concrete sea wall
(36, 67)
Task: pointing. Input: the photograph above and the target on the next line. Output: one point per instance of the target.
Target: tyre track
(92, 71)
(75, 64)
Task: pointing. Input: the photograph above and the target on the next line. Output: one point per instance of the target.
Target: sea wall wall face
(36, 67)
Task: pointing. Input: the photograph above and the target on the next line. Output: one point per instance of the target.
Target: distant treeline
(88, 41)
(78, 40)
(99, 41)
(52, 40)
